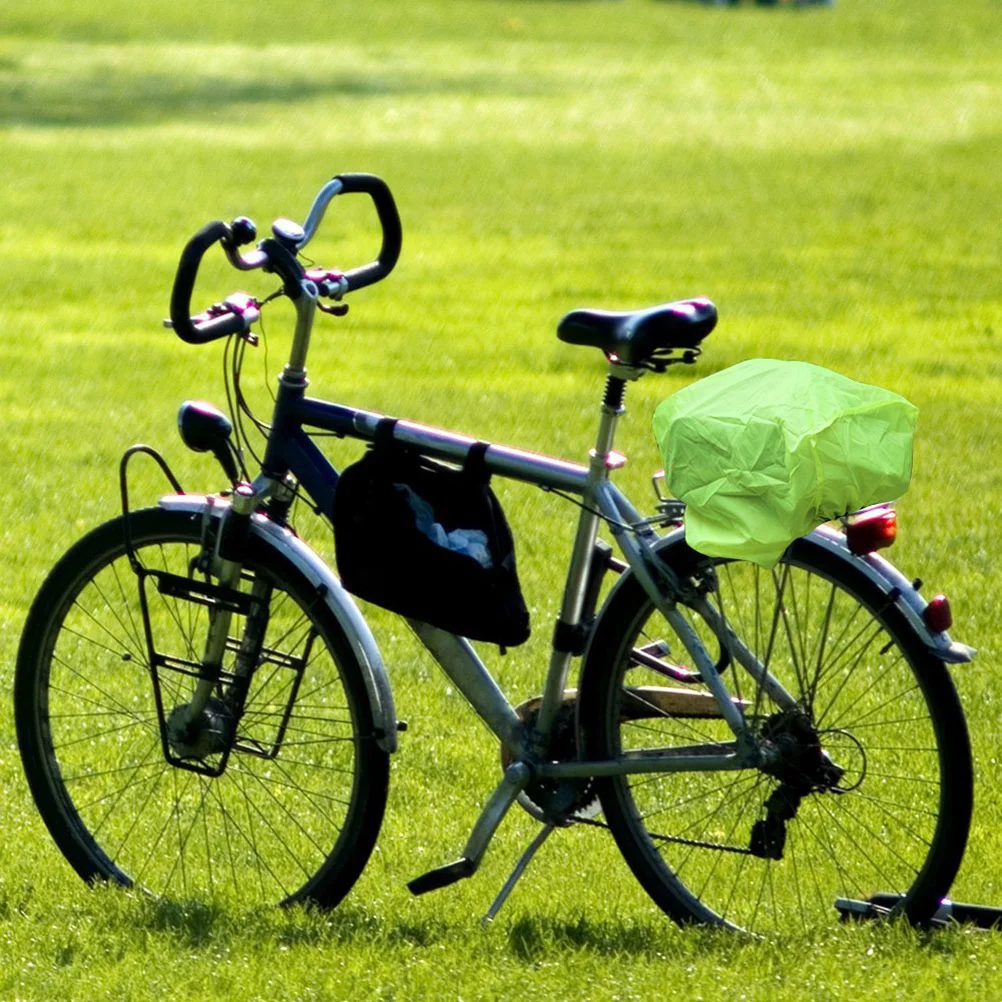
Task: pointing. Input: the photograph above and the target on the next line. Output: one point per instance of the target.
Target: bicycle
(200, 704)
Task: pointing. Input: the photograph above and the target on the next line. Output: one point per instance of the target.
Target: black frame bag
(384, 558)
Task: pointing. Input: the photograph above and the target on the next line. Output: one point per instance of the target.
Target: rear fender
(879, 571)
(892, 582)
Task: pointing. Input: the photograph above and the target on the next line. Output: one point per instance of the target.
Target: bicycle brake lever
(335, 311)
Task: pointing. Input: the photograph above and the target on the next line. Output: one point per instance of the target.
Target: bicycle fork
(196, 731)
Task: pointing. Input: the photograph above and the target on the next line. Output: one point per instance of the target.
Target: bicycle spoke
(88, 681)
(264, 827)
(724, 850)
(290, 784)
(892, 700)
(646, 816)
(138, 814)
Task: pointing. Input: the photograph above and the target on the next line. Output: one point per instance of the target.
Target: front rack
(228, 724)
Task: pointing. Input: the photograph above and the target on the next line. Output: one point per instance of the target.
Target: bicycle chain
(677, 839)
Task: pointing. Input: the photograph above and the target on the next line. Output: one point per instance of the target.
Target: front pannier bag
(429, 542)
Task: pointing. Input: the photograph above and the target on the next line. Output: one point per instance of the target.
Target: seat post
(566, 634)
(612, 408)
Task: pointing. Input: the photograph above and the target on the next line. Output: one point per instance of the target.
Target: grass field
(829, 176)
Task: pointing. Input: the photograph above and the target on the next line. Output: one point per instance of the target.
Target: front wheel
(869, 784)
(275, 794)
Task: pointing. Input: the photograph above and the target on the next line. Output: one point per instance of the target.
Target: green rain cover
(766, 450)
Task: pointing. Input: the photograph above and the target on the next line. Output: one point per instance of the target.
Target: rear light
(937, 615)
(871, 530)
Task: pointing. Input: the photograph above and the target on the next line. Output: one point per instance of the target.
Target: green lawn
(829, 176)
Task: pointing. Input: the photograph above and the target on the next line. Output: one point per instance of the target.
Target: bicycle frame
(238, 613)
(292, 457)
(291, 450)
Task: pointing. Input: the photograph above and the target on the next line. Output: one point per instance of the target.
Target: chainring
(556, 801)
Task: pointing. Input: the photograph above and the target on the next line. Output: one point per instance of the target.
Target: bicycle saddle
(635, 336)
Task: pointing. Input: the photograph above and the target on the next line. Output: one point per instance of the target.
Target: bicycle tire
(297, 826)
(881, 705)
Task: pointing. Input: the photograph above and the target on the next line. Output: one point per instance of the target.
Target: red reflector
(872, 530)
(937, 614)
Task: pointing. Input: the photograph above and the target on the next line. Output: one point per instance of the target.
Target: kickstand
(516, 873)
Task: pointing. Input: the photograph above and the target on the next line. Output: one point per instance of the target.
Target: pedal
(852, 909)
(516, 778)
(442, 876)
(883, 904)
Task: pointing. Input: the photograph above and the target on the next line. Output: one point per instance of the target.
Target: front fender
(339, 602)
(881, 573)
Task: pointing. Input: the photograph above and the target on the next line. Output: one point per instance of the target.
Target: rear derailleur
(797, 760)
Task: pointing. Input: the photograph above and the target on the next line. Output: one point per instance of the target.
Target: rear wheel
(870, 785)
(276, 796)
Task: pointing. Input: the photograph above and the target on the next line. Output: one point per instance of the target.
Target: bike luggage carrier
(231, 687)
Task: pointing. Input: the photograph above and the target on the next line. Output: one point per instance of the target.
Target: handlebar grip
(389, 219)
(184, 286)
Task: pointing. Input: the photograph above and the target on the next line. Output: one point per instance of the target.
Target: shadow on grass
(117, 98)
(119, 920)
(531, 938)
(191, 921)
(200, 924)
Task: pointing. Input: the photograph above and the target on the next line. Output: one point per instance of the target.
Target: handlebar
(277, 255)
(184, 284)
(389, 220)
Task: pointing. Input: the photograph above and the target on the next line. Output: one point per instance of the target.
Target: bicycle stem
(306, 308)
